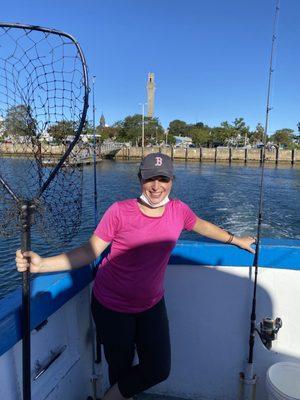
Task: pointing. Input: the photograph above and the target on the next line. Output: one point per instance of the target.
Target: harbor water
(227, 195)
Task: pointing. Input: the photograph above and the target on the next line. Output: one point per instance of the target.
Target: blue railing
(51, 291)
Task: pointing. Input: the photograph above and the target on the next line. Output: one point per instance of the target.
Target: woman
(128, 296)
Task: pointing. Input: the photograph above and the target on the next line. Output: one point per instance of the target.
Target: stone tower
(150, 90)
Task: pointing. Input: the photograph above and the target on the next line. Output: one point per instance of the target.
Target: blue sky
(210, 58)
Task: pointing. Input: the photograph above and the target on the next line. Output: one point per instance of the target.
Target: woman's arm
(73, 259)
(212, 231)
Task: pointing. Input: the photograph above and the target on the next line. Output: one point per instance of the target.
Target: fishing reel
(268, 329)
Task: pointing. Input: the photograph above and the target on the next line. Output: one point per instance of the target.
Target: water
(225, 195)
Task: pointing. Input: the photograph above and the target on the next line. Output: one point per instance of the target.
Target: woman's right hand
(28, 260)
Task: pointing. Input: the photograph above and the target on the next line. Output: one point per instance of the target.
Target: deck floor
(150, 396)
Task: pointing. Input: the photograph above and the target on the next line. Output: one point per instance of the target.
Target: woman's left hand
(244, 243)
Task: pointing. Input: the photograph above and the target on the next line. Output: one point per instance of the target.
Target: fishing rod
(95, 157)
(269, 327)
(96, 345)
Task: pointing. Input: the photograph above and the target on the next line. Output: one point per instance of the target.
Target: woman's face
(156, 188)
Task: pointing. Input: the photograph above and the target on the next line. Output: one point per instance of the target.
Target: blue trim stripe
(51, 291)
(274, 253)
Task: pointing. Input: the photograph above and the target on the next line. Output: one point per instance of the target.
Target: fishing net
(43, 104)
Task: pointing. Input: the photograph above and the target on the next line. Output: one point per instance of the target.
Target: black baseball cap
(156, 164)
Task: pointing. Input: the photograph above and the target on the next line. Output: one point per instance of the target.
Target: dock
(204, 154)
(80, 162)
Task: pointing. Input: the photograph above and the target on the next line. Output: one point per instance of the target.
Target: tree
(257, 136)
(228, 134)
(130, 130)
(242, 131)
(108, 132)
(154, 132)
(200, 125)
(88, 128)
(200, 135)
(19, 122)
(170, 138)
(62, 130)
(178, 128)
(219, 136)
(236, 133)
(283, 137)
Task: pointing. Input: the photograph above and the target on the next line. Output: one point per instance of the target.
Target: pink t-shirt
(131, 278)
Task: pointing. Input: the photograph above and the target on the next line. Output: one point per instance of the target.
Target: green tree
(19, 122)
(170, 138)
(62, 130)
(257, 135)
(237, 133)
(108, 132)
(178, 128)
(242, 131)
(154, 132)
(130, 130)
(201, 135)
(228, 134)
(200, 125)
(283, 137)
(219, 136)
(88, 128)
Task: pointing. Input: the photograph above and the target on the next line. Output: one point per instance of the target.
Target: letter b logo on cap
(159, 161)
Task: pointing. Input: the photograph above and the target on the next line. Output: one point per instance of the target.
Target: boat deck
(150, 396)
(208, 295)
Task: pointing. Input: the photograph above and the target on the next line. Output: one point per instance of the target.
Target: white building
(183, 141)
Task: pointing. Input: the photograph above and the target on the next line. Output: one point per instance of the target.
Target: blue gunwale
(51, 291)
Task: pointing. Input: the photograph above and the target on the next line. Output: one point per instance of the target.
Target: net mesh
(42, 102)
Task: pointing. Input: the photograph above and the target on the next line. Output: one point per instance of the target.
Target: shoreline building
(150, 91)
(102, 121)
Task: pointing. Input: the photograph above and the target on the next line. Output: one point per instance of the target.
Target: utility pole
(143, 125)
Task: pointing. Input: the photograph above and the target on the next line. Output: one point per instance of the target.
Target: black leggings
(122, 333)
